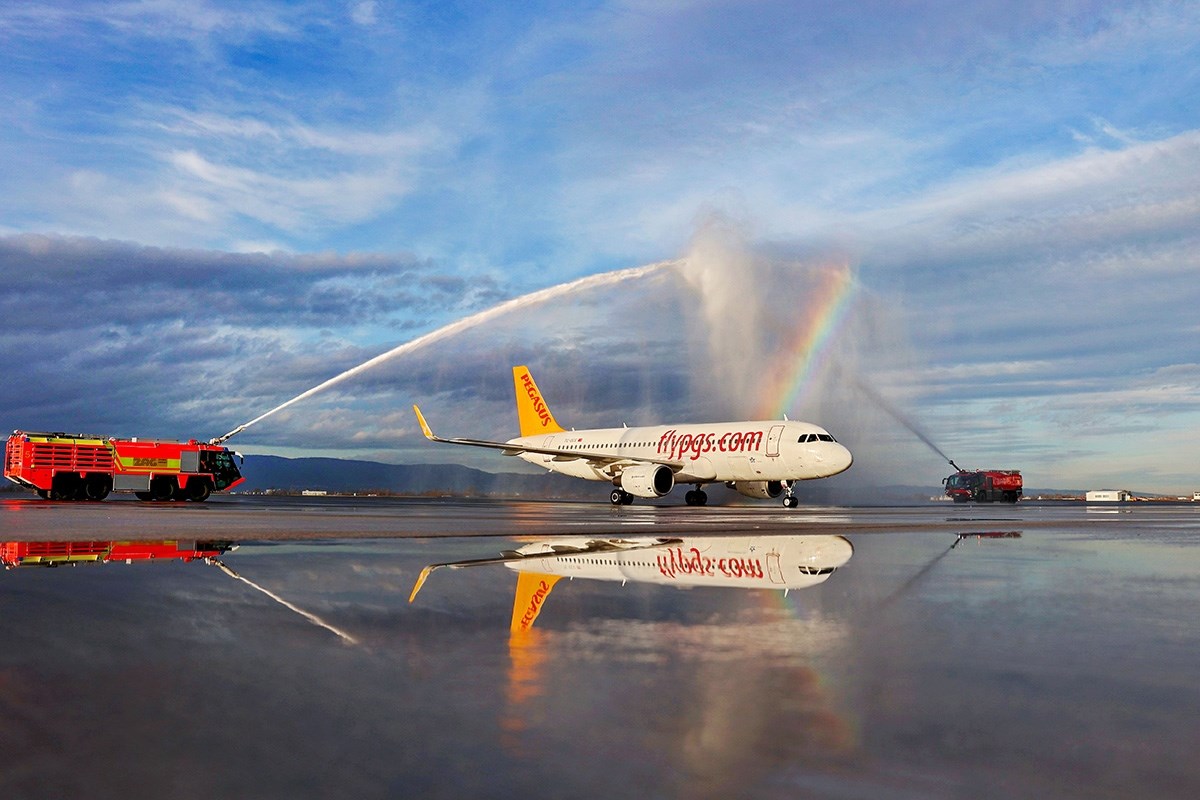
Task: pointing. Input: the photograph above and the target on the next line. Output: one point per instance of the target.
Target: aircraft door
(548, 444)
(774, 570)
(773, 440)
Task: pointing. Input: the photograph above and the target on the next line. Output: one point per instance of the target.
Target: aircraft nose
(838, 460)
(836, 552)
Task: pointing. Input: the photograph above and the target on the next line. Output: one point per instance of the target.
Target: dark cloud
(128, 339)
(55, 283)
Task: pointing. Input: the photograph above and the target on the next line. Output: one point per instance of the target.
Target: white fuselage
(729, 451)
(748, 562)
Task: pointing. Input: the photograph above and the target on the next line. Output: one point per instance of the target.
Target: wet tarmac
(934, 651)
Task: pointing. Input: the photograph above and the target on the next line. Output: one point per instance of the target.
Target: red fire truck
(56, 554)
(984, 486)
(68, 466)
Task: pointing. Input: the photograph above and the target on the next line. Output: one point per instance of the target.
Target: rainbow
(807, 351)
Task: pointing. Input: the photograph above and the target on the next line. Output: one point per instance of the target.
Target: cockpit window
(825, 437)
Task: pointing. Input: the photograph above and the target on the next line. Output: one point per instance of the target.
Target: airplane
(742, 562)
(759, 459)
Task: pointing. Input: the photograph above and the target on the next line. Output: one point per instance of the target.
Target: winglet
(420, 578)
(424, 425)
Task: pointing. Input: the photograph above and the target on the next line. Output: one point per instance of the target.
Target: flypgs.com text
(676, 562)
(694, 445)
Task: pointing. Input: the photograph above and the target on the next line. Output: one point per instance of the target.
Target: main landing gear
(789, 500)
(620, 497)
(694, 497)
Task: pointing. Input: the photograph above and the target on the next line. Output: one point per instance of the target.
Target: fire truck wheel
(163, 489)
(96, 488)
(66, 486)
(42, 493)
(198, 490)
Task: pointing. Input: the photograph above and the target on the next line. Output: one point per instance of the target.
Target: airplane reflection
(744, 562)
(731, 731)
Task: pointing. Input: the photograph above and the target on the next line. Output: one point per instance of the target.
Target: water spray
(533, 298)
(896, 415)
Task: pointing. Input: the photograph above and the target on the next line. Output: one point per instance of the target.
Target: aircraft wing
(553, 550)
(509, 449)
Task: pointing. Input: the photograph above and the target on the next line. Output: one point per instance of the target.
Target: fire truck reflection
(70, 554)
(60, 554)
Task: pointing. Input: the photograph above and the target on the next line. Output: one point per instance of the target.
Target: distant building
(314, 493)
(1196, 497)
(1108, 496)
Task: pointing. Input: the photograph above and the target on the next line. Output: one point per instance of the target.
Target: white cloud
(288, 203)
(364, 13)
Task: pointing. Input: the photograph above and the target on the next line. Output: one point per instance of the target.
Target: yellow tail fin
(532, 412)
(532, 590)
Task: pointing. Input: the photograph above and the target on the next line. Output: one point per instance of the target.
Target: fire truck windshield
(961, 481)
(221, 464)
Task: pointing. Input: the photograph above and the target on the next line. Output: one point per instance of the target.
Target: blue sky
(206, 208)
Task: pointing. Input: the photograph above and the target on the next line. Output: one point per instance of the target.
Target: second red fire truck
(984, 486)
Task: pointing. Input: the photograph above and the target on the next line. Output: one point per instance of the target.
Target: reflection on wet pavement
(73, 553)
(1010, 661)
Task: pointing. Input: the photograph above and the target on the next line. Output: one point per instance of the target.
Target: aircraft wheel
(617, 497)
(626, 498)
(791, 501)
(701, 497)
(690, 498)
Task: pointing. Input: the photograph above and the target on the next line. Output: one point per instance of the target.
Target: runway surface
(961, 651)
(270, 517)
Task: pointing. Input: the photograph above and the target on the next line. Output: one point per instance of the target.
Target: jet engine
(759, 490)
(647, 480)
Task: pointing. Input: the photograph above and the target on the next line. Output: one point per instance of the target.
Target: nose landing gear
(696, 497)
(789, 500)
